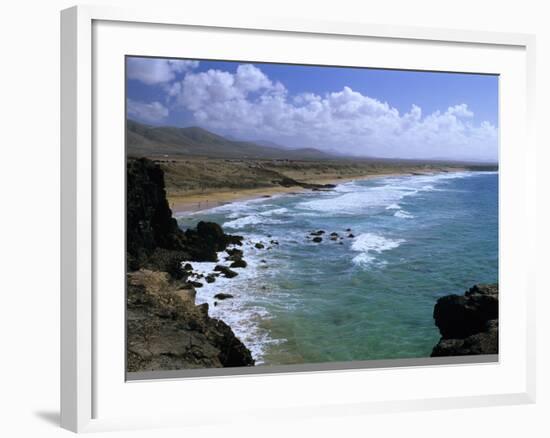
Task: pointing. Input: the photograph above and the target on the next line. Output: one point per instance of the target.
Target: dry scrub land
(210, 181)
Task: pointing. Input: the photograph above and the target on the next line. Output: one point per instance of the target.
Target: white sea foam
(235, 215)
(254, 219)
(244, 312)
(362, 197)
(350, 186)
(363, 259)
(276, 211)
(370, 244)
(403, 214)
(238, 207)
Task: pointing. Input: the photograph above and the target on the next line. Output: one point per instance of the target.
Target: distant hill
(271, 144)
(151, 141)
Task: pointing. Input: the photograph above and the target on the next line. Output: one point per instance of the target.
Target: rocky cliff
(165, 329)
(153, 238)
(468, 323)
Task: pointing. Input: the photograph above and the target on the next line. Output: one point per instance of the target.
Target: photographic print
(283, 214)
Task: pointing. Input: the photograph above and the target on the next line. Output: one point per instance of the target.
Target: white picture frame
(93, 395)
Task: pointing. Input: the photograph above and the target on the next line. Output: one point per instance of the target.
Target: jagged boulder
(208, 239)
(234, 254)
(459, 316)
(241, 263)
(225, 271)
(223, 296)
(484, 342)
(468, 323)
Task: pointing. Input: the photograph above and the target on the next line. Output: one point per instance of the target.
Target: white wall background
(29, 218)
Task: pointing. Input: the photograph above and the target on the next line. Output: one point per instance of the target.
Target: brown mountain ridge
(159, 141)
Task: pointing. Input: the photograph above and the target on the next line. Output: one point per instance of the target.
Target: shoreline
(253, 336)
(193, 203)
(206, 280)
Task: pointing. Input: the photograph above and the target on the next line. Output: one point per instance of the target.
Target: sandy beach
(205, 201)
(194, 202)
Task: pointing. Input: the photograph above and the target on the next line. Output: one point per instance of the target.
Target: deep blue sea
(369, 294)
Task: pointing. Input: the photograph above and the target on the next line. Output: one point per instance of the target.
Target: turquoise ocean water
(370, 296)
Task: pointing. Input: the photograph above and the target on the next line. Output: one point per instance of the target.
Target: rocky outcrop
(165, 329)
(208, 239)
(468, 323)
(152, 235)
(241, 263)
(290, 182)
(154, 239)
(225, 271)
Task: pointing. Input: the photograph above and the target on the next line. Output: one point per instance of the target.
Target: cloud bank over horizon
(248, 104)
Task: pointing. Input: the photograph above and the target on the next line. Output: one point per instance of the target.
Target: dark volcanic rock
(236, 257)
(154, 239)
(210, 279)
(485, 342)
(317, 233)
(289, 182)
(222, 296)
(167, 331)
(459, 316)
(207, 240)
(317, 239)
(259, 245)
(225, 271)
(234, 252)
(149, 222)
(468, 323)
(238, 264)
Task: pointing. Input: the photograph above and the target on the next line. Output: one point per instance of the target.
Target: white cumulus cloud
(250, 78)
(152, 112)
(248, 104)
(155, 71)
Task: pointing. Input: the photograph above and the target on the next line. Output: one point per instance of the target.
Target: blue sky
(356, 111)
